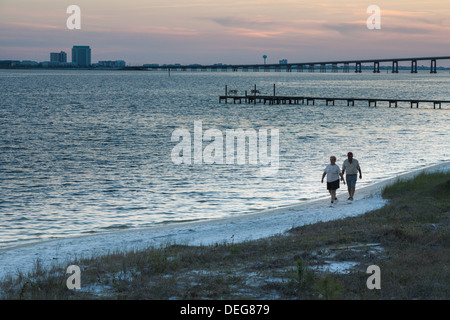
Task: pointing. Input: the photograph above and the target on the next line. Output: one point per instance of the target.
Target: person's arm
(323, 176)
(341, 174)
(342, 177)
(360, 173)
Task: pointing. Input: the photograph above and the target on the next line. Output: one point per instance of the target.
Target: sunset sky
(227, 31)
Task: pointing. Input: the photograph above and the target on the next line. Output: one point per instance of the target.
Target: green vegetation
(408, 239)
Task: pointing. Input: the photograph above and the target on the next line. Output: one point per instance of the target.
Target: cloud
(355, 27)
(256, 27)
(346, 27)
(34, 26)
(246, 23)
(162, 30)
(262, 27)
(253, 33)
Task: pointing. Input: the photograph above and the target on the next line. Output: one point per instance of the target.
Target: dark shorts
(351, 180)
(333, 185)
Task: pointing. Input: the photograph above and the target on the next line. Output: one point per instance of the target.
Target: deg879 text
(253, 309)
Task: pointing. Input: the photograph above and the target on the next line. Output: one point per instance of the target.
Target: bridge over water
(323, 66)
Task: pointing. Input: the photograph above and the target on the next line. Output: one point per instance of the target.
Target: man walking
(351, 166)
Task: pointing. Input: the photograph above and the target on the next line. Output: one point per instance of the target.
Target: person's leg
(329, 188)
(351, 182)
(348, 186)
(333, 195)
(354, 186)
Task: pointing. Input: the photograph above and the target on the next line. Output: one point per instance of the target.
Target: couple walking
(333, 172)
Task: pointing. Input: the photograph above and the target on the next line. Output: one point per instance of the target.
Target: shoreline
(23, 258)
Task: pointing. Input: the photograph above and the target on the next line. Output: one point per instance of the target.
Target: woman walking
(333, 172)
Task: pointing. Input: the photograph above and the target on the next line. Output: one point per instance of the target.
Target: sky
(225, 31)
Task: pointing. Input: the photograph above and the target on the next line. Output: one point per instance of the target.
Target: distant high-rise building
(58, 57)
(81, 56)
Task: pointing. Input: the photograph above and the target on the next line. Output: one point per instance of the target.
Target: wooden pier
(255, 97)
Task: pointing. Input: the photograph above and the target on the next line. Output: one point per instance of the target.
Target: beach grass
(408, 240)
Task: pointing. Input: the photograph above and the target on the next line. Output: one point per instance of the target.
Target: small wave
(177, 221)
(117, 226)
(21, 219)
(305, 137)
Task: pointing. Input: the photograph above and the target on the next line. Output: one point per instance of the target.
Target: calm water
(90, 151)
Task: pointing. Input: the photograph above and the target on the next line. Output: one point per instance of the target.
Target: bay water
(85, 151)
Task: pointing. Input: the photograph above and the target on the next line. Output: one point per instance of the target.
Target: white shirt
(332, 172)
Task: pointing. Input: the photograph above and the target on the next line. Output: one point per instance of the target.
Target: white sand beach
(228, 230)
